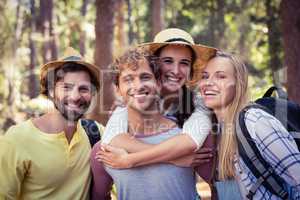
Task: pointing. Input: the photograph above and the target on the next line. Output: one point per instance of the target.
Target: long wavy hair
(227, 142)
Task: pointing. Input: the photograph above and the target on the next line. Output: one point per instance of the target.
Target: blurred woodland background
(265, 33)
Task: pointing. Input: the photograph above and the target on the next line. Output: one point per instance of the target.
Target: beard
(71, 115)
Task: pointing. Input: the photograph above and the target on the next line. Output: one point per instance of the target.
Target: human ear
(51, 93)
(159, 87)
(118, 97)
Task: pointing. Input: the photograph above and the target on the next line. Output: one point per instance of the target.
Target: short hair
(130, 59)
(55, 75)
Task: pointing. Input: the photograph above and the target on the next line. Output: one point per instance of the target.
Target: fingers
(204, 150)
(203, 156)
(105, 153)
(105, 147)
(110, 162)
(103, 158)
(112, 149)
(197, 162)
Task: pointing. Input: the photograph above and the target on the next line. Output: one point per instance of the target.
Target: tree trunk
(129, 21)
(120, 42)
(32, 84)
(82, 30)
(53, 46)
(273, 40)
(104, 28)
(220, 22)
(138, 24)
(290, 18)
(10, 99)
(157, 16)
(211, 26)
(46, 28)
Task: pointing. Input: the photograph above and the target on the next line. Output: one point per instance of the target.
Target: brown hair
(53, 76)
(130, 59)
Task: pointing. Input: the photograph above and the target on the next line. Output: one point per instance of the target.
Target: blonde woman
(223, 86)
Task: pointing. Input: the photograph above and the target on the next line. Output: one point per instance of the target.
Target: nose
(176, 68)
(75, 94)
(209, 81)
(137, 85)
(205, 83)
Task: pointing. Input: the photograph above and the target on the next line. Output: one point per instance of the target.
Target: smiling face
(72, 95)
(218, 83)
(138, 87)
(176, 61)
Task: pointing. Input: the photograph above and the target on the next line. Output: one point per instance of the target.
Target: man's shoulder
(19, 128)
(17, 134)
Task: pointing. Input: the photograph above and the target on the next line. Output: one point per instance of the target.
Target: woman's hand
(203, 155)
(113, 157)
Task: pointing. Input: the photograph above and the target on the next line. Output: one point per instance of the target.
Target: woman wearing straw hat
(180, 59)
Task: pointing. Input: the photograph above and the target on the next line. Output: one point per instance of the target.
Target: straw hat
(70, 55)
(175, 36)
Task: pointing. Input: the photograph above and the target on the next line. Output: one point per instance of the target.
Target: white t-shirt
(197, 126)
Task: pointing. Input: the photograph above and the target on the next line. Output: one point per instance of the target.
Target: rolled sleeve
(197, 127)
(117, 124)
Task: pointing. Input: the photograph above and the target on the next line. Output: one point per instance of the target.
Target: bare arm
(102, 182)
(170, 149)
(129, 143)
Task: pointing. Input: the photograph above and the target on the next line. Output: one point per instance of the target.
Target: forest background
(265, 33)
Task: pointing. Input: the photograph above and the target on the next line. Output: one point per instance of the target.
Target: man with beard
(48, 157)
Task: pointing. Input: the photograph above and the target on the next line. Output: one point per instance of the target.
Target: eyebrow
(217, 72)
(64, 83)
(167, 57)
(187, 60)
(73, 84)
(126, 76)
(146, 73)
(184, 59)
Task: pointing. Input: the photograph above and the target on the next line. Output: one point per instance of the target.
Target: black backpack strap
(280, 92)
(250, 154)
(91, 130)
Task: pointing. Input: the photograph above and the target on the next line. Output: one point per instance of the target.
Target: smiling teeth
(72, 106)
(139, 95)
(173, 79)
(209, 93)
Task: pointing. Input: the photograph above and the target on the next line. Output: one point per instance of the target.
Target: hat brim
(203, 55)
(56, 64)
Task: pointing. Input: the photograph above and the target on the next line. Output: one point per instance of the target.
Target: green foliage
(234, 25)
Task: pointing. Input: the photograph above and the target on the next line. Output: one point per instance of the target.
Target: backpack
(92, 131)
(288, 113)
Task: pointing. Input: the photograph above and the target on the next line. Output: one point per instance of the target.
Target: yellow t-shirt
(37, 165)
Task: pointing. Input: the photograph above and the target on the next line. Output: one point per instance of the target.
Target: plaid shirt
(277, 147)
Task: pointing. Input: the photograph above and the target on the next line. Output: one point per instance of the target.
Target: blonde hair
(227, 143)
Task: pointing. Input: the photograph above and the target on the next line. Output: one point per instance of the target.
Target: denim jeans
(228, 190)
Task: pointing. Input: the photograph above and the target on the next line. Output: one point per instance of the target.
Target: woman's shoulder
(260, 122)
(255, 114)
